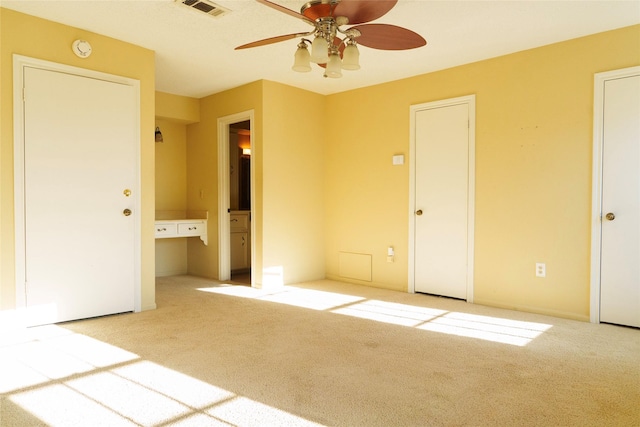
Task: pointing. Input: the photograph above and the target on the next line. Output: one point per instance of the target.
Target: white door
(620, 227)
(80, 157)
(442, 199)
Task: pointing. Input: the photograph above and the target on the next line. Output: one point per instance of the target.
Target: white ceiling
(195, 53)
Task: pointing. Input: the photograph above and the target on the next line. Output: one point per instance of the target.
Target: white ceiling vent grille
(204, 6)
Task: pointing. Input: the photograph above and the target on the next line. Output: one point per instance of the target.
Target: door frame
(19, 64)
(596, 187)
(224, 226)
(470, 101)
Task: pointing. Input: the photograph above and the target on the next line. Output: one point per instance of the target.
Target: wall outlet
(541, 269)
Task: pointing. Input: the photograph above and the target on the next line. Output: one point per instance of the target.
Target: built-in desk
(191, 227)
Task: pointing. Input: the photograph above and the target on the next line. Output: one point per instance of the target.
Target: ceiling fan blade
(361, 11)
(287, 11)
(271, 40)
(388, 37)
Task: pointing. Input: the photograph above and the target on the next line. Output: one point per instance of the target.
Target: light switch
(398, 159)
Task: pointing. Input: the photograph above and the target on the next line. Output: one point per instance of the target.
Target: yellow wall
(171, 167)
(534, 119)
(173, 113)
(171, 194)
(176, 108)
(292, 185)
(287, 151)
(37, 38)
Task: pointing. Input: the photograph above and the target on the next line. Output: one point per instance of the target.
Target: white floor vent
(204, 6)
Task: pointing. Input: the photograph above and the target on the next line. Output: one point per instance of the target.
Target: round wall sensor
(81, 48)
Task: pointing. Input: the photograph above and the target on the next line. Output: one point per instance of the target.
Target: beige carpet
(322, 353)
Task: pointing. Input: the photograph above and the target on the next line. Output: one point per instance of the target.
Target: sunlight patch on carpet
(50, 352)
(394, 313)
(64, 378)
(241, 411)
(486, 328)
(500, 330)
(305, 298)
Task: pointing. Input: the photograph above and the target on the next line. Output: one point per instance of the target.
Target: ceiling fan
(328, 17)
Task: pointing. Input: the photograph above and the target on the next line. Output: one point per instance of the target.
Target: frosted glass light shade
(301, 60)
(334, 66)
(319, 51)
(351, 58)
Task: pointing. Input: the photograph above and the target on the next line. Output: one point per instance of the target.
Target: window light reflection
(487, 328)
(181, 387)
(241, 411)
(58, 405)
(394, 313)
(127, 398)
(305, 298)
(89, 382)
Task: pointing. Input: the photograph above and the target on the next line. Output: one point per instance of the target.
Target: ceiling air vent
(205, 6)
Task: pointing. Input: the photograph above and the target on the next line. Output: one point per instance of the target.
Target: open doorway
(236, 198)
(240, 201)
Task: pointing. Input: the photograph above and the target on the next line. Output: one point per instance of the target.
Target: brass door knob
(610, 216)
(419, 212)
(126, 212)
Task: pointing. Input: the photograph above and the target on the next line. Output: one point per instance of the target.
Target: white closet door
(441, 200)
(79, 158)
(620, 250)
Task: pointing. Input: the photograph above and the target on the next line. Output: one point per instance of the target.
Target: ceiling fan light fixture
(302, 59)
(334, 66)
(332, 42)
(351, 57)
(320, 50)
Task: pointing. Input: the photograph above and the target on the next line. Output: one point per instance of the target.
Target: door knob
(419, 212)
(126, 212)
(610, 216)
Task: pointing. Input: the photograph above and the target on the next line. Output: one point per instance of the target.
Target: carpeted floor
(320, 353)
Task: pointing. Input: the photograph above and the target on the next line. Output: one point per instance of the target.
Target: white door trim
(470, 100)
(224, 226)
(19, 64)
(596, 188)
